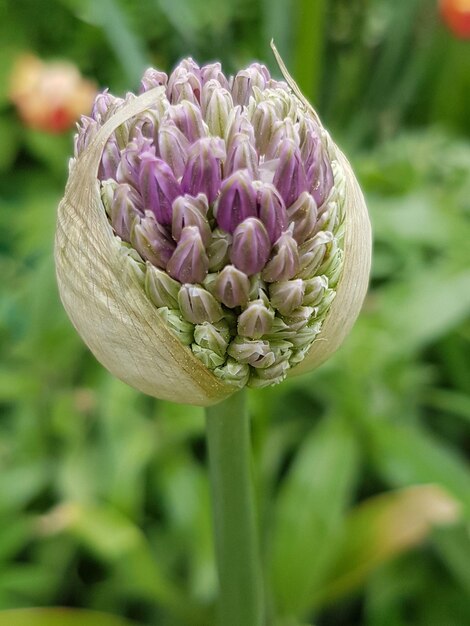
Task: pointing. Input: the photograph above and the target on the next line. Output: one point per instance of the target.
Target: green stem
(236, 537)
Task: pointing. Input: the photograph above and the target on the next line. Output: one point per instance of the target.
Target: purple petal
(158, 186)
(189, 262)
(271, 210)
(236, 202)
(202, 173)
(290, 178)
(251, 246)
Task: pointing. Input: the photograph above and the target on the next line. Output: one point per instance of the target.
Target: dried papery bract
(211, 236)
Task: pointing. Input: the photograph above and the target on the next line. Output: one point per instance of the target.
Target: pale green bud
(233, 373)
(272, 375)
(253, 352)
(287, 295)
(299, 318)
(161, 288)
(256, 320)
(210, 358)
(182, 329)
(314, 290)
(214, 337)
(312, 253)
(198, 305)
(218, 249)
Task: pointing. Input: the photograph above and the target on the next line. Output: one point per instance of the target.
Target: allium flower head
(226, 218)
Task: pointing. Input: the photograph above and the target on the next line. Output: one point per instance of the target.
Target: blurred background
(361, 468)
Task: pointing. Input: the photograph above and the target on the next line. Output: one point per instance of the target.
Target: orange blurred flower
(49, 96)
(456, 14)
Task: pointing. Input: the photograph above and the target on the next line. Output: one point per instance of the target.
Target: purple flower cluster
(226, 185)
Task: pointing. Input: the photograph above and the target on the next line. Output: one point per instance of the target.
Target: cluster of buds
(227, 198)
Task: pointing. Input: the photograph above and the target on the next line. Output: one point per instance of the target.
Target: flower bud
(284, 262)
(218, 249)
(173, 147)
(188, 119)
(271, 210)
(210, 358)
(152, 241)
(182, 329)
(256, 320)
(198, 305)
(189, 262)
(242, 156)
(124, 207)
(216, 105)
(233, 373)
(232, 287)
(289, 178)
(251, 274)
(263, 120)
(151, 79)
(159, 187)
(236, 202)
(303, 213)
(287, 295)
(160, 288)
(213, 71)
(214, 337)
(253, 352)
(187, 212)
(312, 253)
(202, 173)
(251, 246)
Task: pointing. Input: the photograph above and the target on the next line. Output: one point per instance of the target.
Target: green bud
(256, 320)
(161, 288)
(218, 249)
(252, 352)
(198, 305)
(233, 373)
(299, 318)
(312, 254)
(210, 358)
(272, 375)
(214, 337)
(182, 329)
(314, 290)
(287, 295)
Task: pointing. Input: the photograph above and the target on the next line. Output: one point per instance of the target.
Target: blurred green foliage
(104, 497)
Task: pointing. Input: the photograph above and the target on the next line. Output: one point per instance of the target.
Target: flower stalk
(236, 534)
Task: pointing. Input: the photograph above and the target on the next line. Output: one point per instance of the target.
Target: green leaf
(309, 514)
(406, 456)
(381, 528)
(59, 617)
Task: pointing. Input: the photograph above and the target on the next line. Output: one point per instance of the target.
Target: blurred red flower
(49, 96)
(456, 14)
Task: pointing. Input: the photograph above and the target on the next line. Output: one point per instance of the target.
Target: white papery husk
(101, 285)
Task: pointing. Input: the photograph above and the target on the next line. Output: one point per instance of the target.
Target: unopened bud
(152, 241)
(242, 156)
(251, 246)
(210, 358)
(159, 187)
(216, 105)
(189, 262)
(289, 178)
(231, 287)
(256, 320)
(303, 213)
(123, 208)
(233, 373)
(202, 173)
(284, 262)
(198, 305)
(188, 118)
(236, 202)
(271, 210)
(218, 249)
(312, 253)
(180, 327)
(314, 290)
(173, 147)
(152, 78)
(287, 295)
(253, 352)
(186, 212)
(214, 337)
(161, 288)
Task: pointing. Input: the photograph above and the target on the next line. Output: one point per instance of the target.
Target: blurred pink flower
(456, 14)
(49, 96)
